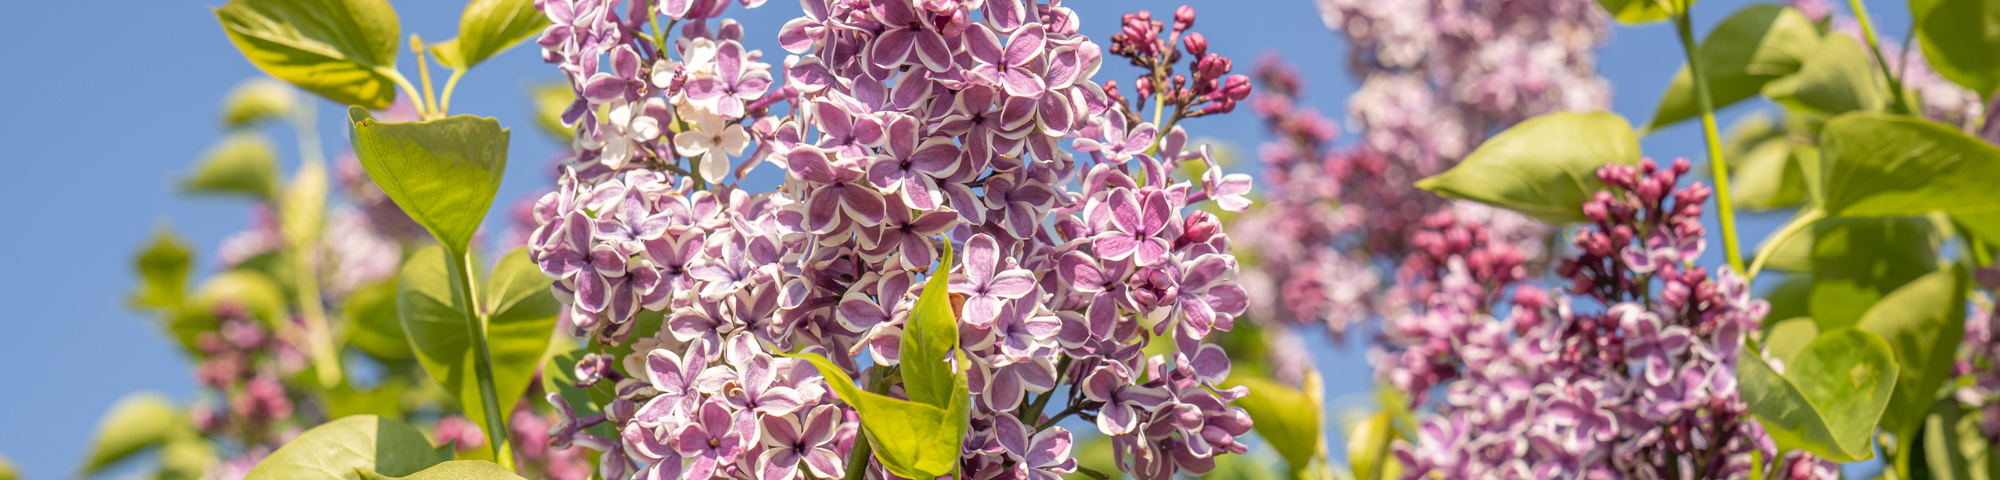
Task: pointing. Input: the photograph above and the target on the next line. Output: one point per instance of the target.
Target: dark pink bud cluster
(1210, 90)
(242, 363)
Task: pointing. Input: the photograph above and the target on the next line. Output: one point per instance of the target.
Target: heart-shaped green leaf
(163, 271)
(911, 439)
(521, 318)
(341, 449)
(344, 50)
(1290, 419)
(487, 28)
(1544, 167)
(1828, 399)
(1754, 46)
(1879, 165)
(1786, 338)
(1923, 322)
(243, 163)
(257, 100)
(1960, 42)
(1836, 79)
(443, 173)
(455, 470)
(1857, 261)
(137, 422)
(929, 337)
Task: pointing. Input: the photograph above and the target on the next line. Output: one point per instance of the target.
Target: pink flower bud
(1196, 44)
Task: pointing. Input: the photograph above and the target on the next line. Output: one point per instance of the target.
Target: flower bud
(1196, 44)
(1183, 18)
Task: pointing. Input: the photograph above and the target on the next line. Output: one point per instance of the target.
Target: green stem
(424, 73)
(1882, 62)
(416, 99)
(1725, 211)
(325, 359)
(1805, 219)
(475, 325)
(444, 99)
(857, 456)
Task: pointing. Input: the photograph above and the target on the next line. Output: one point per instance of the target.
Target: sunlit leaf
(1828, 399)
(1923, 322)
(344, 50)
(163, 271)
(1754, 46)
(1637, 12)
(1544, 167)
(257, 100)
(489, 27)
(1857, 261)
(929, 337)
(1291, 421)
(343, 448)
(1879, 165)
(137, 422)
(911, 439)
(1837, 78)
(1960, 42)
(243, 163)
(521, 319)
(455, 470)
(443, 173)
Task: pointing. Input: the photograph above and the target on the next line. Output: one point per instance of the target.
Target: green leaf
(454, 470)
(1829, 397)
(929, 337)
(342, 448)
(1837, 78)
(257, 100)
(7, 469)
(302, 208)
(550, 101)
(385, 400)
(372, 323)
(186, 456)
(1637, 12)
(1290, 420)
(1960, 42)
(1754, 46)
(1795, 255)
(344, 50)
(1544, 167)
(489, 27)
(163, 270)
(1880, 165)
(911, 439)
(521, 319)
(243, 163)
(1923, 322)
(1766, 177)
(1938, 452)
(137, 422)
(1786, 338)
(1857, 261)
(443, 173)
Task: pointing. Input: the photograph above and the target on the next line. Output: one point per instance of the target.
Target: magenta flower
(1139, 220)
(709, 440)
(1011, 67)
(674, 377)
(791, 441)
(907, 239)
(1119, 144)
(1124, 402)
(985, 285)
(908, 33)
(840, 198)
(912, 170)
(1037, 455)
(736, 81)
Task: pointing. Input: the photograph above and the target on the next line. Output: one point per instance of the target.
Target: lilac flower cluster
(898, 121)
(243, 366)
(1628, 373)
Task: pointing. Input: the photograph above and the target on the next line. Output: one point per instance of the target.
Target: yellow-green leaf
(243, 163)
(929, 337)
(1828, 399)
(1544, 167)
(163, 271)
(344, 50)
(455, 470)
(1754, 46)
(257, 100)
(489, 27)
(137, 422)
(343, 448)
(443, 173)
(1923, 322)
(521, 318)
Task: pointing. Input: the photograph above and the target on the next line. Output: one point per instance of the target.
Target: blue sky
(98, 138)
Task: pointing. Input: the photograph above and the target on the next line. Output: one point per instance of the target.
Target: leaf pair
(1544, 167)
(346, 50)
(521, 318)
(919, 437)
